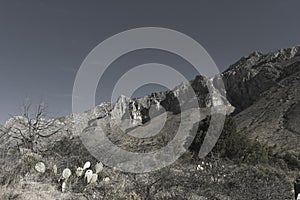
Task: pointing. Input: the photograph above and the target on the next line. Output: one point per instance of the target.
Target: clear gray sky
(43, 43)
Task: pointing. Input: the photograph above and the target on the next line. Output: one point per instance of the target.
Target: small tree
(27, 129)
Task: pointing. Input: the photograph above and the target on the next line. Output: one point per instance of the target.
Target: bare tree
(29, 128)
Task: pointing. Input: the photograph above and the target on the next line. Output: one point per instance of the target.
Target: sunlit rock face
(207, 92)
(129, 112)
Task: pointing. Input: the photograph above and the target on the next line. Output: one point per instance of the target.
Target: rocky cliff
(265, 90)
(129, 113)
(247, 79)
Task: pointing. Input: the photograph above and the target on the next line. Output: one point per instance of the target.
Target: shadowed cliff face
(265, 90)
(248, 78)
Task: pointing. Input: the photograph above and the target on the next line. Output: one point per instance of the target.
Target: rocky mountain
(252, 159)
(248, 78)
(265, 91)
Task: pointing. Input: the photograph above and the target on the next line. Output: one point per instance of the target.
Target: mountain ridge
(266, 121)
(246, 82)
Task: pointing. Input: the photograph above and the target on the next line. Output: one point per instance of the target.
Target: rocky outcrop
(248, 78)
(128, 113)
(265, 89)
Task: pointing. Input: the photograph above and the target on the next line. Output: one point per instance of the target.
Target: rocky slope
(265, 91)
(248, 78)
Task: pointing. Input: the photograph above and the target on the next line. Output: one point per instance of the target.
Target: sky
(43, 43)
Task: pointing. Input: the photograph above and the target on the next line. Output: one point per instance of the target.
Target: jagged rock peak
(258, 57)
(248, 78)
(136, 111)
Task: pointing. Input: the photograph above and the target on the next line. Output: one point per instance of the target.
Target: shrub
(292, 160)
(233, 145)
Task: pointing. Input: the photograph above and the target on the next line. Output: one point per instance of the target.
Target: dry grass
(19, 180)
